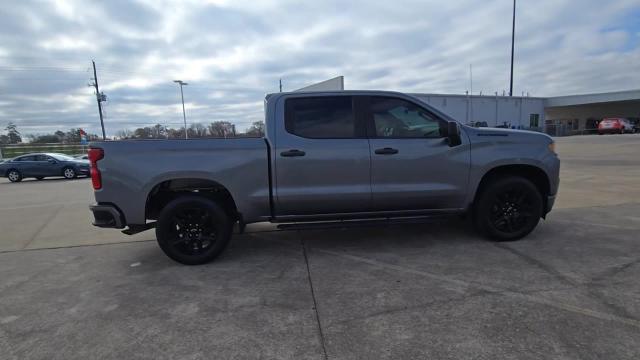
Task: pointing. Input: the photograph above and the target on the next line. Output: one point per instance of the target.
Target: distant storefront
(558, 116)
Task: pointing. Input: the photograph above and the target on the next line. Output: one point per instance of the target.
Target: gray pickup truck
(347, 156)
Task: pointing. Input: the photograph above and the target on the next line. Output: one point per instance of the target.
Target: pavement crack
(451, 300)
(44, 225)
(313, 296)
(614, 270)
(494, 289)
(539, 264)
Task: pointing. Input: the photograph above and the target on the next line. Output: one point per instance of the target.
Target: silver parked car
(41, 165)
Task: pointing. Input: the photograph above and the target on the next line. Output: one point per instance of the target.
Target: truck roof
(337, 92)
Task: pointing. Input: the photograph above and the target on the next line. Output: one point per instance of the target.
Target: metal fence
(566, 130)
(10, 151)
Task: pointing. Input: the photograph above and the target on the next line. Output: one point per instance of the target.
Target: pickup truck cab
(325, 156)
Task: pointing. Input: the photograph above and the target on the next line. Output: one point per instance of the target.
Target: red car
(615, 126)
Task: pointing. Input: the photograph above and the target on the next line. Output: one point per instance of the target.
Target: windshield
(62, 157)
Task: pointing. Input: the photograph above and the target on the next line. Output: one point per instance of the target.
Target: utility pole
(471, 88)
(281, 85)
(99, 97)
(184, 115)
(513, 35)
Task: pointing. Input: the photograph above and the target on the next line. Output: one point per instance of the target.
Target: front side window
(397, 118)
(320, 117)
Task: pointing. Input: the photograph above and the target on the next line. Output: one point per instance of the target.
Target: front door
(46, 166)
(322, 162)
(412, 165)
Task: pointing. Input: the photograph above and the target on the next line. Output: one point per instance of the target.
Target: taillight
(95, 154)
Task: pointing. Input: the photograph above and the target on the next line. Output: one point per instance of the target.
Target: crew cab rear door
(412, 165)
(322, 162)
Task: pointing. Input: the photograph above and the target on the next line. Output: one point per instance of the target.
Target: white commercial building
(513, 112)
(559, 115)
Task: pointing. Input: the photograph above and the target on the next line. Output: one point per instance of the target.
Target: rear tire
(193, 230)
(14, 175)
(508, 209)
(69, 173)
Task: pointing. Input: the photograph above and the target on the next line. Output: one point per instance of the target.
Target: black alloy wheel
(508, 209)
(193, 230)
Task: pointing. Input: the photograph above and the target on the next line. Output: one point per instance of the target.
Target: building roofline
(483, 96)
(581, 99)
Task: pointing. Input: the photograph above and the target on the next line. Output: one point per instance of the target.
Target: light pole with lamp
(184, 115)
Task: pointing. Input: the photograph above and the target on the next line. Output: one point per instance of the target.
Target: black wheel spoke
(193, 231)
(511, 209)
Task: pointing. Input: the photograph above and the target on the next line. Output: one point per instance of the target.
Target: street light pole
(184, 115)
(513, 34)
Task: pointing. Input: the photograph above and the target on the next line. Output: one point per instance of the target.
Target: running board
(360, 223)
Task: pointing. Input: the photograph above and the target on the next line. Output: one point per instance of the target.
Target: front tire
(508, 209)
(14, 175)
(193, 230)
(69, 173)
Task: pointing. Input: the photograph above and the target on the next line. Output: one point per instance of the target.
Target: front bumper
(551, 199)
(107, 216)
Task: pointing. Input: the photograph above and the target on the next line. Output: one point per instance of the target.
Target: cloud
(233, 52)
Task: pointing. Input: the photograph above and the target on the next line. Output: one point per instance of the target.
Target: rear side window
(321, 117)
(26, 158)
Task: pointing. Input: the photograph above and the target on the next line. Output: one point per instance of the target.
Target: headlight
(552, 147)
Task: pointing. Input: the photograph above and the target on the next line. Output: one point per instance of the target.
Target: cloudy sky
(233, 52)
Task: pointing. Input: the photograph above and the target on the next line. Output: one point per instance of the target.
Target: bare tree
(256, 129)
(222, 129)
(158, 131)
(197, 130)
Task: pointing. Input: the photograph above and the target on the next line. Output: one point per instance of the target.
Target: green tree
(143, 133)
(61, 135)
(13, 134)
(72, 136)
(45, 139)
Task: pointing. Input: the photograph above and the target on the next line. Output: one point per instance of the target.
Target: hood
(510, 134)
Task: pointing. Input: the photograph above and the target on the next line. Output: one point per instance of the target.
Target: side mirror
(52, 161)
(453, 134)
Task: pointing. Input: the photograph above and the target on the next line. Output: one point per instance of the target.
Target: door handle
(386, 151)
(294, 152)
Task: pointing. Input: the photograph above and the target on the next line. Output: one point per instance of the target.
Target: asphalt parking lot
(570, 290)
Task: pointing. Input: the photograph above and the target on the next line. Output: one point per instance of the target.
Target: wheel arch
(6, 172)
(165, 191)
(532, 173)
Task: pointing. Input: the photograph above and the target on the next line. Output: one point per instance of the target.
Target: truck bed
(132, 168)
